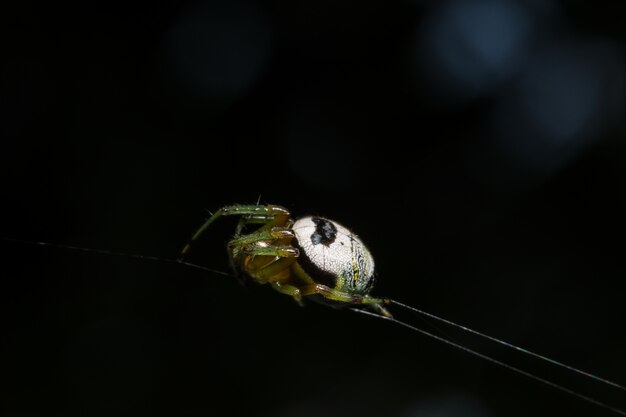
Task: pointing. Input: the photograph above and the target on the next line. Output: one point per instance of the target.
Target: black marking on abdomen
(325, 232)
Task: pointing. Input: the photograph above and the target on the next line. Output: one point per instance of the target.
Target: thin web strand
(497, 362)
(394, 320)
(509, 345)
(108, 252)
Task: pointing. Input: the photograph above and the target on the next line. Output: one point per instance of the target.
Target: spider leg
(288, 289)
(242, 250)
(344, 297)
(265, 222)
(274, 233)
(266, 263)
(262, 214)
(281, 251)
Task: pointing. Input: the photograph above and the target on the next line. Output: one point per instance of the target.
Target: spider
(316, 258)
(310, 257)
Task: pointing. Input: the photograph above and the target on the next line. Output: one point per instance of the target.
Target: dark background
(477, 147)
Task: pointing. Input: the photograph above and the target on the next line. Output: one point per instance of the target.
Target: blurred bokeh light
(466, 49)
(572, 92)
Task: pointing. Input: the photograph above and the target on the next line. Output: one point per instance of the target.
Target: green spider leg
(334, 295)
(248, 244)
(273, 233)
(283, 257)
(280, 251)
(268, 215)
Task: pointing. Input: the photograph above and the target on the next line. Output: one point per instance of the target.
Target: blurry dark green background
(477, 147)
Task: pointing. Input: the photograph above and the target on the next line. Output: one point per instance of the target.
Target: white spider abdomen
(332, 255)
